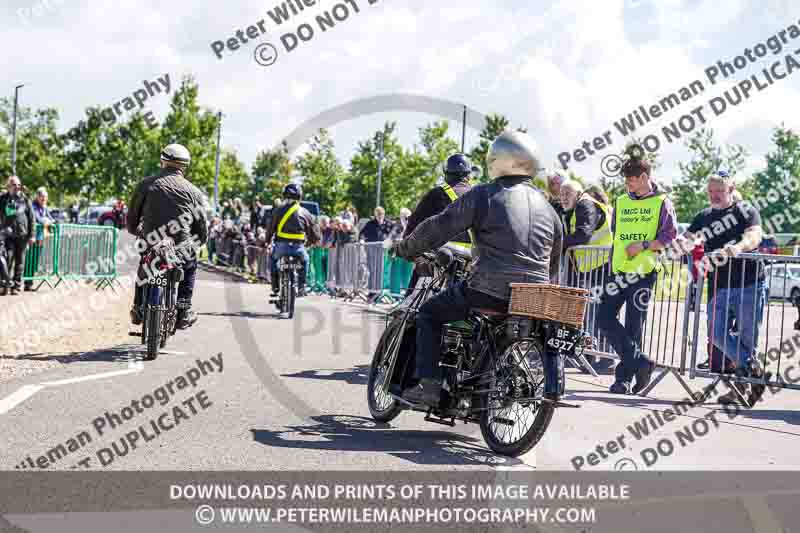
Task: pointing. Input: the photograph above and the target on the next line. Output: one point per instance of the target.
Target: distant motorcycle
(495, 367)
(289, 268)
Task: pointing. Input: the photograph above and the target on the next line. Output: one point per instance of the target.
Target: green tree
(777, 189)
(362, 178)
(39, 148)
(421, 167)
(324, 177)
(275, 168)
(689, 193)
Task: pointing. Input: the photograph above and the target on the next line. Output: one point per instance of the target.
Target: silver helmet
(512, 153)
(176, 153)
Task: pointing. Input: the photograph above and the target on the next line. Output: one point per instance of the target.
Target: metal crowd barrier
(760, 319)
(41, 257)
(72, 252)
(676, 325)
(359, 271)
(86, 252)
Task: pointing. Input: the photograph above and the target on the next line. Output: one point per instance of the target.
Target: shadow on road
(116, 354)
(339, 433)
(354, 376)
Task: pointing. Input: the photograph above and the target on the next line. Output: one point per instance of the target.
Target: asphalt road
(291, 395)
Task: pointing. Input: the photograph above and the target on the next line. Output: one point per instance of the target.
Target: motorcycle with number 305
(160, 266)
(504, 372)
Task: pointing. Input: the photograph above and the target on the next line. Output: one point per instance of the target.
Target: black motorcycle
(496, 370)
(160, 266)
(289, 268)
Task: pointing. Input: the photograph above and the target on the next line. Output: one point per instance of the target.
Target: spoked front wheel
(515, 418)
(382, 406)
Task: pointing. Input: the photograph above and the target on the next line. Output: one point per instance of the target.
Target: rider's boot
(136, 315)
(554, 376)
(274, 283)
(428, 391)
(301, 283)
(186, 317)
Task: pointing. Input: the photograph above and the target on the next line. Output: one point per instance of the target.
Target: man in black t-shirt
(734, 284)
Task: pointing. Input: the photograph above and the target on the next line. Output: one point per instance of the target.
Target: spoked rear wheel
(513, 421)
(382, 406)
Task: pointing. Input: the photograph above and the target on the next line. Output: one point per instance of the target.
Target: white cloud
(566, 70)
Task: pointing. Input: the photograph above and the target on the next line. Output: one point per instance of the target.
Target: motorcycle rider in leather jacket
(517, 238)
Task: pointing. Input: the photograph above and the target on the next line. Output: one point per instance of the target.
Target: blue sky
(566, 70)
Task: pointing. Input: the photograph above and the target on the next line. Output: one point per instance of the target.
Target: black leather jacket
(518, 234)
(167, 203)
(433, 203)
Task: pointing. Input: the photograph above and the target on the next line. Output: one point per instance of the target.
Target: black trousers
(15, 257)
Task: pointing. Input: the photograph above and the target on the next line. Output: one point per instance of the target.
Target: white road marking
(16, 398)
(90, 377)
(25, 392)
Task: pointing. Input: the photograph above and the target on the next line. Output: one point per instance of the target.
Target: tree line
(100, 160)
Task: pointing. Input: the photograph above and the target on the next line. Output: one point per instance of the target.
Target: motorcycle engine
(456, 347)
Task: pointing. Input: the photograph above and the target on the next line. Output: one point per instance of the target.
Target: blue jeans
(291, 249)
(626, 340)
(747, 305)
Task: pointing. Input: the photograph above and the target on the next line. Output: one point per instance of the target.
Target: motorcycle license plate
(564, 340)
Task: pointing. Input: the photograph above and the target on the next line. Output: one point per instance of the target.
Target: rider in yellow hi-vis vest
(644, 223)
(456, 172)
(292, 226)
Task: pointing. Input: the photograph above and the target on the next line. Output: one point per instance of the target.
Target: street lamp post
(216, 173)
(380, 172)
(14, 131)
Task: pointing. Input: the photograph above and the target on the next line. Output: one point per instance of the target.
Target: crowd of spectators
(237, 237)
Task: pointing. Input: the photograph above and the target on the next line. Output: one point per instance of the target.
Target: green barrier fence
(72, 252)
(396, 273)
(318, 265)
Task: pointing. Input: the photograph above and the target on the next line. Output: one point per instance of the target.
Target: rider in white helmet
(168, 205)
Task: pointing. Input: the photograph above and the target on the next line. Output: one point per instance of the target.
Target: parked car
(93, 213)
(60, 216)
(768, 245)
(783, 281)
(109, 218)
(313, 207)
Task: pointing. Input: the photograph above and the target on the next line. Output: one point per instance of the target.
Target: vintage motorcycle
(496, 369)
(161, 267)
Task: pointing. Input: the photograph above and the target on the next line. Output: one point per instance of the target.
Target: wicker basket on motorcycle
(549, 302)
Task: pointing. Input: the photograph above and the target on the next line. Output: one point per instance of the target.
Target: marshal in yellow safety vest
(587, 260)
(636, 221)
(448, 190)
(286, 216)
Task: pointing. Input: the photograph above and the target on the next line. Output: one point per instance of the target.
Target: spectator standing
(644, 223)
(377, 229)
(554, 182)
(735, 285)
(214, 233)
(588, 224)
(598, 194)
(74, 213)
(400, 226)
(44, 221)
(227, 210)
(16, 224)
(256, 212)
(347, 234)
